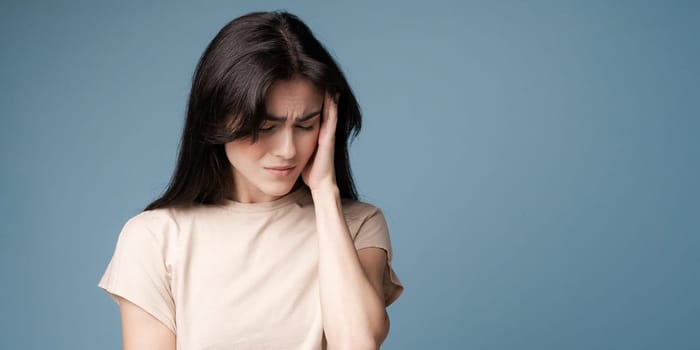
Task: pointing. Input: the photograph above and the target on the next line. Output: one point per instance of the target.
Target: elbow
(363, 342)
(367, 343)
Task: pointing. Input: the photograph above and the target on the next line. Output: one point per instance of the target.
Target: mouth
(280, 171)
(280, 167)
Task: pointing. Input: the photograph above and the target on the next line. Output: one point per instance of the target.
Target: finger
(332, 110)
(329, 119)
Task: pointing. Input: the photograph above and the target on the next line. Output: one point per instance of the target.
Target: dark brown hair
(227, 102)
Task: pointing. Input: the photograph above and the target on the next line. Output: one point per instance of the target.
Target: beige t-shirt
(239, 275)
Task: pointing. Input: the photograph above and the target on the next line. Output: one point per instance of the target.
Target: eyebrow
(300, 119)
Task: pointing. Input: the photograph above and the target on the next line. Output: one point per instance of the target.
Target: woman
(260, 240)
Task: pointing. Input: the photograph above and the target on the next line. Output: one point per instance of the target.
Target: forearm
(353, 314)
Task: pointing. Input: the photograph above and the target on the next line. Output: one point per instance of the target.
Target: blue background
(538, 162)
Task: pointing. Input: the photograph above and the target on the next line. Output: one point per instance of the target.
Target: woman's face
(287, 138)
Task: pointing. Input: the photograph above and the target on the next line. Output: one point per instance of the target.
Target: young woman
(260, 241)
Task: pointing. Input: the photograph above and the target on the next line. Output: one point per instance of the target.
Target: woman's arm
(352, 307)
(140, 330)
(353, 310)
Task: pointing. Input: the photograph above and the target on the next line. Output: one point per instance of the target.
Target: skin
(285, 143)
(350, 280)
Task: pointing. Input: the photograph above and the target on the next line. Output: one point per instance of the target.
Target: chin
(279, 189)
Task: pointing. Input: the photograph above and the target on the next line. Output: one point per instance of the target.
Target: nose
(284, 144)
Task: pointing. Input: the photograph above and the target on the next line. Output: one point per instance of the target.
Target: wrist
(325, 191)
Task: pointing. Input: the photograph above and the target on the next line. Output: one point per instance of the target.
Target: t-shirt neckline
(290, 198)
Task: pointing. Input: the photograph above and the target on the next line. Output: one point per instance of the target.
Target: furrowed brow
(300, 119)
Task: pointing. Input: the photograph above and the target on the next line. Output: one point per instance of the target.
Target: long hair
(227, 102)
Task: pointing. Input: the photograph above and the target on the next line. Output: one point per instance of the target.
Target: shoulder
(158, 225)
(153, 219)
(363, 217)
(358, 210)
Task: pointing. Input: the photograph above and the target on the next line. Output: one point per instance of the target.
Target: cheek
(309, 143)
(240, 152)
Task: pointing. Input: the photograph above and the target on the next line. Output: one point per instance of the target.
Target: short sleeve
(138, 272)
(374, 232)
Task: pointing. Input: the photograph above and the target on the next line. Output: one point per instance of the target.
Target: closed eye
(306, 118)
(305, 128)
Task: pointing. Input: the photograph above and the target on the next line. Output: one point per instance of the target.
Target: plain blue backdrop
(537, 161)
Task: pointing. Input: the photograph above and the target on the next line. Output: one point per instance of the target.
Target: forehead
(294, 96)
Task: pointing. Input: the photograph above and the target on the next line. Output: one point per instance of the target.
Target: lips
(280, 171)
(280, 167)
